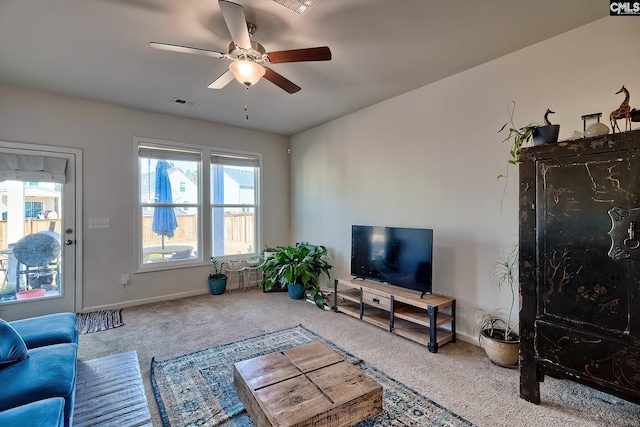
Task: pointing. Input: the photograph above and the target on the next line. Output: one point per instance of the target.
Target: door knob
(68, 242)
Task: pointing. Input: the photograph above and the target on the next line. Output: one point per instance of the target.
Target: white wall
(430, 158)
(106, 133)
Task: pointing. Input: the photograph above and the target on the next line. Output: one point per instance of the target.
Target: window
(168, 227)
(33, 209)
(176, 184)
(234, 204)
(33, 181)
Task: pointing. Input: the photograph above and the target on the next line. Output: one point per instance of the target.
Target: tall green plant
(505, 278)
(302, 264)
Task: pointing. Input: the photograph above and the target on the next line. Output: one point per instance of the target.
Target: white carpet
(109, 392)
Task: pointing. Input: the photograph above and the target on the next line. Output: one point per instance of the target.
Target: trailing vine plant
(516, 137)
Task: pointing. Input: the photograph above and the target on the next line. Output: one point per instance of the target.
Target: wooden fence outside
(187, 230)
(239, 229)
(31, 226)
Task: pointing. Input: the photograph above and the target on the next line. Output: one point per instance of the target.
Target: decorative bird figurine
(546, 117)
(623, 112)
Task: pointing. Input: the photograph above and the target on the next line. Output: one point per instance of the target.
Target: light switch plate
(99, 223)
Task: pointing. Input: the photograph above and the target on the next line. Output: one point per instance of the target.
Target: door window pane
(30, 241)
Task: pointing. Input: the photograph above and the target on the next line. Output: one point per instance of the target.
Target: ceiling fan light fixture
(247, 72)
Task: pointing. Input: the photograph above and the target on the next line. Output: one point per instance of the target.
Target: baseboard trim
(467, 339)
(143, 301)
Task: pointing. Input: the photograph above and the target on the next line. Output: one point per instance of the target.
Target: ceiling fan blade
(280, 81)
(222, 81)
(186, 49)
(234, 17)
(300, 55)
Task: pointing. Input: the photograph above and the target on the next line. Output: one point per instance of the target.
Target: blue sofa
(38, 370)
(42, 413)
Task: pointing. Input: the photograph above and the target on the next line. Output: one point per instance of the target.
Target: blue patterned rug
(197, 389)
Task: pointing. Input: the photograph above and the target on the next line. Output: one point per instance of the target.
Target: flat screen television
(399, 256)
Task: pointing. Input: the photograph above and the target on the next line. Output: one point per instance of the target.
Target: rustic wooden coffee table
(309, 385)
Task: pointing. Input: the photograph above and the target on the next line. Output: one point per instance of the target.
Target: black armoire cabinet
(580, 264)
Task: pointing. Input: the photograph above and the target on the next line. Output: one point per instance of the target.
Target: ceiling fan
(249, 58)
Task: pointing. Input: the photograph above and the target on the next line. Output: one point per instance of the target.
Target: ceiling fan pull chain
(246, 105)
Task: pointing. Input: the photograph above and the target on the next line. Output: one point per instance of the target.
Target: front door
(38, 230)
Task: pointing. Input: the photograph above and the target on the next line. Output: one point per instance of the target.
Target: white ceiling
(99, 49)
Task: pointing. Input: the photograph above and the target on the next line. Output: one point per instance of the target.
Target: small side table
(252, 270)
(240, 273)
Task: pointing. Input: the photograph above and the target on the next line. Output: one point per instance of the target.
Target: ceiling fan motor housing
(257, 52)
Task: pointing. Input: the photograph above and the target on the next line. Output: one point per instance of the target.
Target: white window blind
(165, 153)
(22, 167)
(234, 160)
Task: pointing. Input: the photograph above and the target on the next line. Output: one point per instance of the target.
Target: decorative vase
(547, 134)
(217, 286)
(500, 352)
(296, 291)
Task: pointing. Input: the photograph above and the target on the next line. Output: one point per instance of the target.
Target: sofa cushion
(43, 413)
(12, 347)
(49, 371)
(50, 329)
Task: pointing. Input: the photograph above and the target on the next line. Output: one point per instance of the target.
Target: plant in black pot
(498, 334)
(217, 279)
(533, 132)
(297, 268)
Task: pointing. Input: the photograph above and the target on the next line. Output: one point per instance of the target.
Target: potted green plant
(516, 137)
(268, 251)
(217, 279)
(498, 334)
(297, 268)
(533, 132)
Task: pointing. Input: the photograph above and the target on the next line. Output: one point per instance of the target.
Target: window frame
(257, 179)
(204, 221)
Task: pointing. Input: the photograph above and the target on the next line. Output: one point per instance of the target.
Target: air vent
(184, 102)
(297, 6)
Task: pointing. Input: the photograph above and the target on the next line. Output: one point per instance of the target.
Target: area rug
(197, 389)
(98, 321)
(109, 392)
